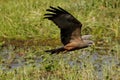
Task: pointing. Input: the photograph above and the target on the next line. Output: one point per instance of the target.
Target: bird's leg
(65, 51)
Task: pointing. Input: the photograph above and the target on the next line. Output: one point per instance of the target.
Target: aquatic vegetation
(24, 35)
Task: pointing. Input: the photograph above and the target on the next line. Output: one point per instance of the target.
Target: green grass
(24, 32)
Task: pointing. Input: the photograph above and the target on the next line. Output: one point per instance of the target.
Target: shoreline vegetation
(24, 35)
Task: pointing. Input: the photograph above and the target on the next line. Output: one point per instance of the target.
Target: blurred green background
(24, 35)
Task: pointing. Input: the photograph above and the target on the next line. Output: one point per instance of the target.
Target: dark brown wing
(70, 27)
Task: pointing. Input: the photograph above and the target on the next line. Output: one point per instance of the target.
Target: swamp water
(12, 58)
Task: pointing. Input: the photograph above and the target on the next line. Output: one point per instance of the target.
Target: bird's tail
(58, 50)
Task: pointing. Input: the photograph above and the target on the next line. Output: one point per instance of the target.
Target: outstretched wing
(70, 27)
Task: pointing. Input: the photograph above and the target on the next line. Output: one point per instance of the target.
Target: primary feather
(70, 28)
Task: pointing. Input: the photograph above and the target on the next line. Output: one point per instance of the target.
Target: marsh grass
(24, 35)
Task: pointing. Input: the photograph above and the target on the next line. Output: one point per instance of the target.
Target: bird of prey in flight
(70, 30)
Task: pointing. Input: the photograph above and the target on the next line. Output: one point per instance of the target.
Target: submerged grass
(24, 34)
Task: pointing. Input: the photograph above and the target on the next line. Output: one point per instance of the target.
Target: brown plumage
(70, 30)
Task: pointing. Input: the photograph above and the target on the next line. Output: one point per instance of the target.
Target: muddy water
(11, 59)
(99, 62)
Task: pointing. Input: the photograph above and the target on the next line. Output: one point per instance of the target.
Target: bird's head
(89, 42)
(87, 37)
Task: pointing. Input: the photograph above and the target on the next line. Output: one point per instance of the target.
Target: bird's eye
(91, 43)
